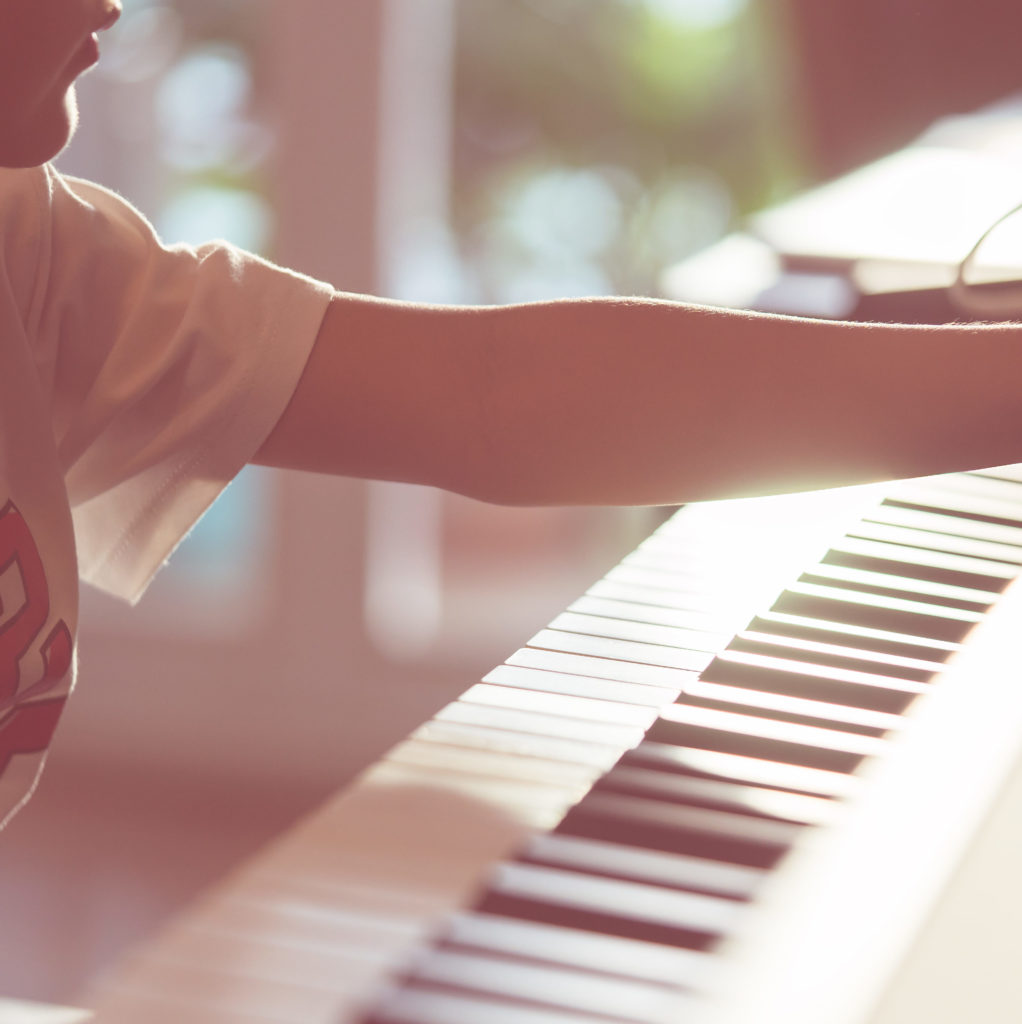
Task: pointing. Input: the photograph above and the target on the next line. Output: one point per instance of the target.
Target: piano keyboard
(728, 784)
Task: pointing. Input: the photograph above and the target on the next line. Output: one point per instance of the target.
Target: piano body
(765, 770)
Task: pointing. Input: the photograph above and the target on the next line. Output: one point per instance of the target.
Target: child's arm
(631, 401)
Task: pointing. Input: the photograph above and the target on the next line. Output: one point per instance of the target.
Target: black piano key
(974, 510)
(732, 796)
(669, 812)
(872, 641)
(899, 587)
(784, 708)
(1011, 472)
(714, 764)
(654, 824)
(933, 566)
(652, 867)
(985, 495)
(936, 521)
(753, 736)
(856, 659)
(914, 618)
(1004, 496)
(814, 681)
(609, 906)
(942, 543)
(590, 951)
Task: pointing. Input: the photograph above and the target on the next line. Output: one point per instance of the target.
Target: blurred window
(598, 141)
(588, 145)
(172, 119)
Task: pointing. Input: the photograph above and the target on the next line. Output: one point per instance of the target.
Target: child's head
(44, 46)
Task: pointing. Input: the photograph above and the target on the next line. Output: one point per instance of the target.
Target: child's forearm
(635, 401)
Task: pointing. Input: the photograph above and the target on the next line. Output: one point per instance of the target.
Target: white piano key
(642, 632)
(795, 807)
(546, 748)
(715, 564)
(756, 770)
(652, 867)
(493, 764)
(162, 991)
(771, 729)
(541, 724)
(602, 668)
(593, 951)
(716, 587)
(583, 708)
(715, 606)
(630, 900)
(903, 584)
(537, 804)
(621, 650)
(733, 598)
(559, 987)
(630, 611)
(581, 686)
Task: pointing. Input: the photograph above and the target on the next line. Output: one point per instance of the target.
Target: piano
(764, 770)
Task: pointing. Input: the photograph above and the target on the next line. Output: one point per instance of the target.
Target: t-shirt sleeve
(168, 368)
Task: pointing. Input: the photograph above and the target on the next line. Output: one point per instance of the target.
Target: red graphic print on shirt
(27, 728)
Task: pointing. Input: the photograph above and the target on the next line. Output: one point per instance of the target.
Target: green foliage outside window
(597, 141)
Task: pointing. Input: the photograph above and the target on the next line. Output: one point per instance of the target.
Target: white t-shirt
(135, 381)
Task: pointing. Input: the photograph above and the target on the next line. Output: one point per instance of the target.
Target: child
(136, 380)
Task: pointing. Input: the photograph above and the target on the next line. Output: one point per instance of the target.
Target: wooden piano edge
(288, 912)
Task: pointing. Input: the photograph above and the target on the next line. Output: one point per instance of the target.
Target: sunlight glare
(697, 13)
